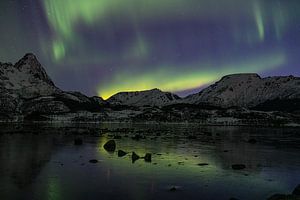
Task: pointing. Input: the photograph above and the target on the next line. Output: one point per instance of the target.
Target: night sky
(101, 47)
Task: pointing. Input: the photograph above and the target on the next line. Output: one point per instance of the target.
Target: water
(42, 162)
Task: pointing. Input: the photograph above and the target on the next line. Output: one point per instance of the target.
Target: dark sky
(101, 47)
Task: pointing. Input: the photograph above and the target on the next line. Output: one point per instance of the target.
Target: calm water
(42, 162)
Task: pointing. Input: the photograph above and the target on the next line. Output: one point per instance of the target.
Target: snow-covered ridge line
(26, 91)
(247, 90)
(240, 90)
(154, 97)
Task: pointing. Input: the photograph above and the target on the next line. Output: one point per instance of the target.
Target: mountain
(28, 93)
(247, 90)
(27, 89)
(26, 78)
(153, 97)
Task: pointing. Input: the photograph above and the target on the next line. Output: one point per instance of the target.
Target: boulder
(121, 153)
(93, 161)
(134, 157)
(202, 164)
(238, 166)
(110, 146)
(148, 157)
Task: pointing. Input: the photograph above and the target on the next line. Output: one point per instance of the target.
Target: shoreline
(289, 125)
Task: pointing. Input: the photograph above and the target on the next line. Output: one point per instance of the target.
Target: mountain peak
(247, 90)
(29, 56)
(31, 65)
(153, 97)
(29, 59)
(241, 76)
(155, 89)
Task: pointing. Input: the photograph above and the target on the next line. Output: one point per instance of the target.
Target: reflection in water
(22, 157)
(54, 189)
(42, 162)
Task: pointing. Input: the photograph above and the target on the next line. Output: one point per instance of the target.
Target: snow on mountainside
(247, 90)
(26, 78)
(26, 88)
(153, 97)
(28, 93)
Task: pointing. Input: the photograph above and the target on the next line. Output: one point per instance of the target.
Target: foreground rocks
(148, 157)
(121, 153)
(238, 166)
(134, 157)
(202, 164)
(174, 188)
(94, 161)
(110, 146)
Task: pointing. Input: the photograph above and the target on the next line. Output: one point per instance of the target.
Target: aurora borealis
(101, 47)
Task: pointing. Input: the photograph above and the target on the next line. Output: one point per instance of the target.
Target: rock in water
(174, 188)
(202, 164)
(134, 157)
(238, 166)
(148, 157)
(78, 141)
(297, 191)
(121, 153)
(252, 141)
(93, 161)
(110, 146)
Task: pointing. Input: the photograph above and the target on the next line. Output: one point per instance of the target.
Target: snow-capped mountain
(153, 97)
(27, 78)
(26, 88)
(28, 93)
(247, 90)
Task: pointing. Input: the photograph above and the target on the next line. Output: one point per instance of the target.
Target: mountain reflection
(42, 161)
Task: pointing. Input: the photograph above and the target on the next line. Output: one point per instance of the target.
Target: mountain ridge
(27, 92)
(247, 90)
(153, 97)
(26, 88)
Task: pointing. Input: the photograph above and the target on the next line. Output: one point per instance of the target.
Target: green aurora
(102, 47)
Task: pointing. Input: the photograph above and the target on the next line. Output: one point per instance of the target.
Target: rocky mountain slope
(28, 93)
(26, 89)
(247, 90)
(236, 90)
(153, 97)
